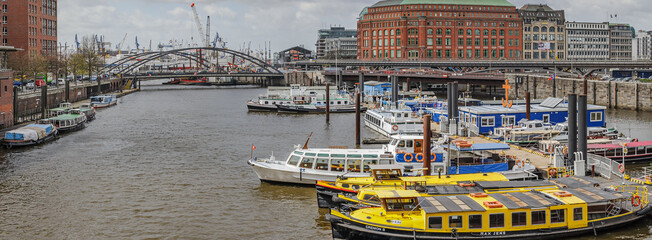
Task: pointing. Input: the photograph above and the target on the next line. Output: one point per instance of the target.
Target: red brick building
(6, 99)
(30, 25)
(440, 29)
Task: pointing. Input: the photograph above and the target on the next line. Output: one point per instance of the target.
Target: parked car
(30, 85)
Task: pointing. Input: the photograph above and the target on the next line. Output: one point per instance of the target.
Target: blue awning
(482, 147)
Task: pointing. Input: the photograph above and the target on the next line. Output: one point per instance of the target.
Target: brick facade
(401, 30)
(30, 25)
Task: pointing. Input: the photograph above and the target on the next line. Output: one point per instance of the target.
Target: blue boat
(31, 134)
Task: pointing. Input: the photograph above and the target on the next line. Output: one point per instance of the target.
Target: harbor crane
(122, 43)
(200, 28)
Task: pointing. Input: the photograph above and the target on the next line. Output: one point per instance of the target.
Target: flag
(253, 147)
(554, 76)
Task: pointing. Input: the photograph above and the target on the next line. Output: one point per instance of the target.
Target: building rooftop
(536, 7)
(503, 3)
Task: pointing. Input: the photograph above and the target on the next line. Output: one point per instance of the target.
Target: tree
(89, 54)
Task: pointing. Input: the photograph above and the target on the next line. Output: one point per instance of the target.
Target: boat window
(354, 155)
(307, 162)
(538, 217)
(322, 155)
(557, 216)
(401, 143)
(366, 165)
(406, 115)
(294, 160)
(370, 197)
(298, 153)
(266, 102)
(370, 156)
(322, 164)
(475, 221)
(519, 219)
(339, 102)
(596, 116)
(455, 222)
(417, 144)
(409, 143)
(497, 220)
(577, 214)
(353, 165)
(546, 118)
(434, 223)
(338, 155)
(538, 125)
(337, 165)
(311, 154)
(400, 204)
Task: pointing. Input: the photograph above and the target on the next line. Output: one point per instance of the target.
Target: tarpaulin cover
(484, 168)
(48, 128)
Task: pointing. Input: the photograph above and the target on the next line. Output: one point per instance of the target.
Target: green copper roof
(501, 3)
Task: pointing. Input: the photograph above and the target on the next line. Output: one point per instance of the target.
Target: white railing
(604, 166)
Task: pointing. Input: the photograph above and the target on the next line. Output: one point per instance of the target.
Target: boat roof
(520, 200)
(383, 194)
(499, 109)
(65, 117)
(639, 144)
(386, 167)
(513, 184)
(575, 182)
(339, 151)
(482, 147)
(452, 189)
(444, 204)
(603, 146)
(594, 195)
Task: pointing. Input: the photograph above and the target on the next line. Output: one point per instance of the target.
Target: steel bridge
(129, 66)
(583, 68)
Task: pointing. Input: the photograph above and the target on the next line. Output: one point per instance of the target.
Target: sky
(279, 23)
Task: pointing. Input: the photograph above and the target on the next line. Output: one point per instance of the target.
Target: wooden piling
(357, 119)
(527, 106)
(328, 103)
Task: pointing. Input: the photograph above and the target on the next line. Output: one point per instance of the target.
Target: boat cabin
(477, 158)
(386, 172)
(338, 160)
(63, 108)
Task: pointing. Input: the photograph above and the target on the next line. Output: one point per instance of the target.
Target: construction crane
(199, 26)
(122, 43)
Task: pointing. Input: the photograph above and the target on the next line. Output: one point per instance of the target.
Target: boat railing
(604, 166)
(639, 195)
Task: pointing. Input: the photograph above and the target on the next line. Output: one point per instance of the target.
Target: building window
(477, 42)
(493, 32)
(502, 32)
(438, 53)
(439, 31)
(485, 32)
(448, 31)
(460, 42)
(488, 122)
(460, 32)
(460, 53)
(596, 116)
(429, 53)
(429, 31)
(448, 53)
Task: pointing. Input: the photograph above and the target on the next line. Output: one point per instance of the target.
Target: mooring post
(572, 126)
(357, 119)
(328, 103)
(582, 128)
(44, 101)
(426, 144)
(527, 106)
(67, 91)
(15, 105)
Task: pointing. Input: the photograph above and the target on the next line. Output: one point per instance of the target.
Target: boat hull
(279, 173)
(346, 229)
(257, 107)
(73, 128)
(104, 105)
(13, 144)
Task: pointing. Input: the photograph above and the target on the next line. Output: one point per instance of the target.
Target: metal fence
(604, 166)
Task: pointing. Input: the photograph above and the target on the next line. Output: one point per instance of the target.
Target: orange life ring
(621, 168)
(565, 151)
(432, 157)
(408, 155)
(552, 172)
(417, 157)
(395, 127)
(636, 201)
(520, 163)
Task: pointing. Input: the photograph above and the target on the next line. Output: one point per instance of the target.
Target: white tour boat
(391, 122)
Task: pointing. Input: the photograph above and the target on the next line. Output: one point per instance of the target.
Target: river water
(170, 163)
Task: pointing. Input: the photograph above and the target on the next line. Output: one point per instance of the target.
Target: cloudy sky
(284, 23)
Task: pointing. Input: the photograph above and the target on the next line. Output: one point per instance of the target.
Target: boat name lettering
(375, 228)
(492, 233)
(396, 221)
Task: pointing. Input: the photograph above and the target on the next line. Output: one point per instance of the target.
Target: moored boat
(63, 108)
(32, 134)
(391, 122)
(103, 101)
(543, 214)
(67, 122)
(87, 110)
(632, 151)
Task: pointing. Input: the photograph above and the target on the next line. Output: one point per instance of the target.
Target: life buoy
(395, 127)
(550, 148)
(621, 168)
(432, 157)
(552, 172)
(419, 155)
(520, 163)
(565, 151)
(635, 140)
(408, 155)
(636, 201)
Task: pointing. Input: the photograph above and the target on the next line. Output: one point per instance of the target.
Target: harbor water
(171, 164)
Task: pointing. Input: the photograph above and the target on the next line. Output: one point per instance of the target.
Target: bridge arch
(144, 58)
